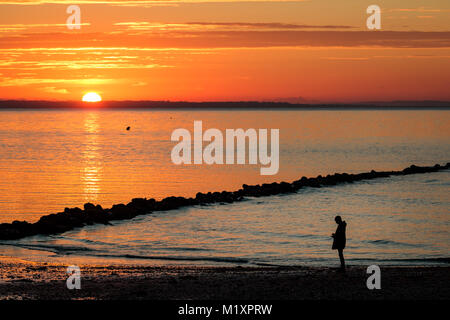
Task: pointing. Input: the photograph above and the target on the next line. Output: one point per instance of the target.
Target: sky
(299, 51)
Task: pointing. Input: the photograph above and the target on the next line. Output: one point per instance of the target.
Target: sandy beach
(28, 280)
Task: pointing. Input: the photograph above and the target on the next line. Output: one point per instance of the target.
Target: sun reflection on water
(91, 173)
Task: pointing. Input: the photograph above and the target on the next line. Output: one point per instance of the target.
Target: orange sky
(319, 50)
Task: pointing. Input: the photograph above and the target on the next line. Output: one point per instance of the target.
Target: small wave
(85, 241)
(54, 249)
(67, 250)
(395, 243)
(173, 258)
(163, 248)
(444, 260)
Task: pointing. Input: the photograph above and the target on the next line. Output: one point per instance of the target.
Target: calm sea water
(55, 159)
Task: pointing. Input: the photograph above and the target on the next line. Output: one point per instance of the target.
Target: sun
(92, 97)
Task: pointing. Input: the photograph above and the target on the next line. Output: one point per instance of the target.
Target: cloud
(80, 64)
(55, 90)
(402, 57)
(91, 50)
(420, 9)
(9, 82)
(27, 27)
(208, 26)
(187, 39)
(75, 59)
(346, 58)
(143, 3)
(140, 84)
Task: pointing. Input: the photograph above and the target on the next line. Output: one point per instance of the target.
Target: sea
(53, 159)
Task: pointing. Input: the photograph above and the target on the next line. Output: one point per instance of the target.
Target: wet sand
(20, 279)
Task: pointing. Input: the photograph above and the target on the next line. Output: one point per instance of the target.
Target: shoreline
(72, 218)
(33, 255)
(22, 279)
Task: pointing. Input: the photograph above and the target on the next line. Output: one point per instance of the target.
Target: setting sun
(92, 97)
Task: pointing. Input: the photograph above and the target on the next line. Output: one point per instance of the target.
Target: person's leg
(341, 257)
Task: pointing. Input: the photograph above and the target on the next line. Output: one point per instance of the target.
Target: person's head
(338, 219)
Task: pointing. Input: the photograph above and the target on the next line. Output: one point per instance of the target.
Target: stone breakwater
(94, 214)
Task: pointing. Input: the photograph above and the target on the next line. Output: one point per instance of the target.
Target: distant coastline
(226, 105)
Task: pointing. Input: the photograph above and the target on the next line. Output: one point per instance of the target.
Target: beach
(28, 280)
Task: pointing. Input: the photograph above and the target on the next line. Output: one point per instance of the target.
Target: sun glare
(92, 97)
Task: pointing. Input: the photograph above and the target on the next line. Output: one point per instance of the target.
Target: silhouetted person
(128, 128)
(339, 239)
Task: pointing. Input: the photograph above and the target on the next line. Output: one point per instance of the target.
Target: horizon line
(281, 101)
(237, 104)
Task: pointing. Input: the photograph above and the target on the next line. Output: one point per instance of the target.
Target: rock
(253, 191)
(313, 182)
(285, 187)
(142, 205)
(121, 212)
(54, 223)
(75, 210)
(89, 207)
(170, 203)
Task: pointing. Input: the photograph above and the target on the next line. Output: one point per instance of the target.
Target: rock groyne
(72, 218)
